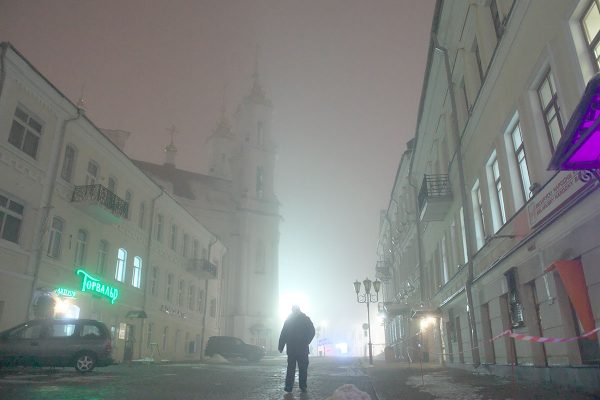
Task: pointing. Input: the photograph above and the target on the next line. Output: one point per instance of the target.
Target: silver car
(80, 343)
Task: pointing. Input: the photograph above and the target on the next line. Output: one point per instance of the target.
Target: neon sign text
(64, 292)
(92, 284)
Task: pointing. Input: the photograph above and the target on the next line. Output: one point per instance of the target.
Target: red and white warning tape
(540, 339)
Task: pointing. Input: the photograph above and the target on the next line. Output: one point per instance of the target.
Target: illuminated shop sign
(64, 292)
(92, 284)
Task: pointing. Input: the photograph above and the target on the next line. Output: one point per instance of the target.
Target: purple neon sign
(579, 147)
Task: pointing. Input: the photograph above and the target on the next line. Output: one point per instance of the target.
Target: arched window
(121, 265)
(136, 279)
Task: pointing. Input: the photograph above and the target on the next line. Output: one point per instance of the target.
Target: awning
(572, 276)
(393, 309)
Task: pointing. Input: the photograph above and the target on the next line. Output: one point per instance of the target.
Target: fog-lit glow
(63, 308)
(287, 300)
(426, 322)
(342, 348)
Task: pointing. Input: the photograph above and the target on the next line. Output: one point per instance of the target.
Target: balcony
(383, 271)
(101, 203)
(435, 197)
(202, 269)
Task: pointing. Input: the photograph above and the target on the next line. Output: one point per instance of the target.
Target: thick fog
(344, 77)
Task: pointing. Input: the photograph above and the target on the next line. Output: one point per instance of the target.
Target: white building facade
(80, 235)
(498, 238)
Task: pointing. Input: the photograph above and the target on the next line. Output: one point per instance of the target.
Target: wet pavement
(264, 380)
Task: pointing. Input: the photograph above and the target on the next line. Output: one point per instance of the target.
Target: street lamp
(368, 298)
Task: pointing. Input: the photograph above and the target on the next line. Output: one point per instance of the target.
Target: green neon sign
(65, 292)
(92, 284)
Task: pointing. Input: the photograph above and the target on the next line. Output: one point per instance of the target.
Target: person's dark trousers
(302, 361)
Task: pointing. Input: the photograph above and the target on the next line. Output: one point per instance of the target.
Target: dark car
(80, 343)
(230, 347)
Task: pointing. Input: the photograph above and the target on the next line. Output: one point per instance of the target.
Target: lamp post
(367, 297)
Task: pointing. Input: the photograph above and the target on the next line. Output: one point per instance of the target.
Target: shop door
(129, 342)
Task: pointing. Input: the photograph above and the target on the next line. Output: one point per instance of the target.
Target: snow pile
(349, 392)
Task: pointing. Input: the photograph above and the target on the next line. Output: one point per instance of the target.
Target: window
(173, 237)
(92, 173)
(495, 190)
(102, 257)
(160, 220)
(54, 243)
(25, 132)
(498, 27)
(121, 265)
(136, 278)
(59, 330)
(478, 215)
(68, 164)
(112, 184)
(550, 109)
(142, 215)
(195, 249)
(514, 302)
(590, 22)
(479, 63)
(521, 160)
(213, 308)
(80, 247)
(165, 336)
(260, 182)
(154, 281)
(128, 197)
(11, 217)
(201, 301)
(463, 233)
(150, 331)
(180, 293)
(260, 258)
(186, 244)
(446, 274)
(170, 278)
(191, 295)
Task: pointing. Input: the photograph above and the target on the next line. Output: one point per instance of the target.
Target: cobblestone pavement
(403, 381)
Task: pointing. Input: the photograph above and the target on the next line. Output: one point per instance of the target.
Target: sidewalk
(398, 380)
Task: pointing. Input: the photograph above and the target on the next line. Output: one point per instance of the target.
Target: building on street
(480, 237)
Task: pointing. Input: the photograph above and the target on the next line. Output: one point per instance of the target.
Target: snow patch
(217, 359)
(443, 388)
(349, 392)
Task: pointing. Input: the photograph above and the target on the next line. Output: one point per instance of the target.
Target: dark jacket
(298, 331)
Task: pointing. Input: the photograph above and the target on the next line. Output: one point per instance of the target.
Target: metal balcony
(383, 271)
(435, 197)
(101, 203)
(202, 269)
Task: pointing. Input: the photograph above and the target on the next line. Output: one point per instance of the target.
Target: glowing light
(426, 322)
(287, 300)
(342, 348)
(63, 308)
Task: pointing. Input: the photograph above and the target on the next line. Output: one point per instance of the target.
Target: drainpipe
(210, 245)
(466, 208)
(47, 196)
(2, 67)
(149, 246)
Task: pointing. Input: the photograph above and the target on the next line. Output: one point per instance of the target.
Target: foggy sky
(344, 77)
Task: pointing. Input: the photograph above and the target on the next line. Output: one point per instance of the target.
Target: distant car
(230, 347)
(81, 343)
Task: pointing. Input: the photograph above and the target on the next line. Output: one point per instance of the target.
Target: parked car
(80, 343)
(230, 347)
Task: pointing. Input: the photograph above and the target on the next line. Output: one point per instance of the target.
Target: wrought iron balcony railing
(202, 268)
(434, 197)
(102, 196)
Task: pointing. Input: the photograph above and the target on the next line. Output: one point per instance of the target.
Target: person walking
(297, 333)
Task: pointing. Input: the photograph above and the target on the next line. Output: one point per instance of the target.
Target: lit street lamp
(368, 298)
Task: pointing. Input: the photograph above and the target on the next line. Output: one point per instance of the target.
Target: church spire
(257, 93)
(223, 126)
(170, 150)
